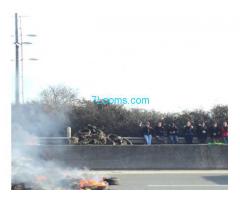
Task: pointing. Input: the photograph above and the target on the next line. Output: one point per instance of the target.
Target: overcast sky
(176, 53)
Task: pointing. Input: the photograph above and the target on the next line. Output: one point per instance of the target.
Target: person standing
(188, 132)
(147, 132)
(202, 133)
(172, 134)
(224, 132)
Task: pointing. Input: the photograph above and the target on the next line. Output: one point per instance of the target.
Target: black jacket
(172, 130)
(215, 131)
(159, 131)
(201, 131)
(147, 130)
(188, 130)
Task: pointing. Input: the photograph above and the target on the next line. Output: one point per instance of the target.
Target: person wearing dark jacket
(172, 134)
(147, 132)
(215, 133)
(202, 133)
(159, 132)
(188, 132)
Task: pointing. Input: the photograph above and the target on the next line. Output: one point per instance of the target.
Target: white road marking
(159, 172)
(187, 185)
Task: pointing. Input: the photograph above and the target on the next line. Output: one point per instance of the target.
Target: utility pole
(21, 58)
(17, 88)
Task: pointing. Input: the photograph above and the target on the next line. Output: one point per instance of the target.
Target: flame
(92, 184)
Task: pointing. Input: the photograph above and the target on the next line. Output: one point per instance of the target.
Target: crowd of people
(215, 133)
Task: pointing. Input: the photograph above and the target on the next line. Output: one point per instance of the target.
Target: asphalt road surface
(170, 179)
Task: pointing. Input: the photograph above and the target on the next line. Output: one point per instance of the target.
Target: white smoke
(28, 165)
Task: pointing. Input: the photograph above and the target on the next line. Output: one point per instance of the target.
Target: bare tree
(58, 96)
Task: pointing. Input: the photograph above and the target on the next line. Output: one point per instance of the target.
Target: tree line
(59, 107)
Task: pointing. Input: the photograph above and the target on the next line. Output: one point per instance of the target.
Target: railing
(134, 140)
(53, 140)
(163, 140)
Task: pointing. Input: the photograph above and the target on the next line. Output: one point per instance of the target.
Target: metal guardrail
(164, 140)
(134, 140)
(53, 140)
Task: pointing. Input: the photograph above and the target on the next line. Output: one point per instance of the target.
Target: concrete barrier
(137, 156)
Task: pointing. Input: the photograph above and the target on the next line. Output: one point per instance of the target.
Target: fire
(43, 182)
(93, 184)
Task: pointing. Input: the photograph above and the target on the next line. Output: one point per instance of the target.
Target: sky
(176, 53)
(182, 54)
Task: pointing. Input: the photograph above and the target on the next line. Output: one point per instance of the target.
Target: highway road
(169, 179)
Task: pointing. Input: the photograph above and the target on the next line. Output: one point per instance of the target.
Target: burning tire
(111, 180)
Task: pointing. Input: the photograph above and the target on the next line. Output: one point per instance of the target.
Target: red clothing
(224, 131)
